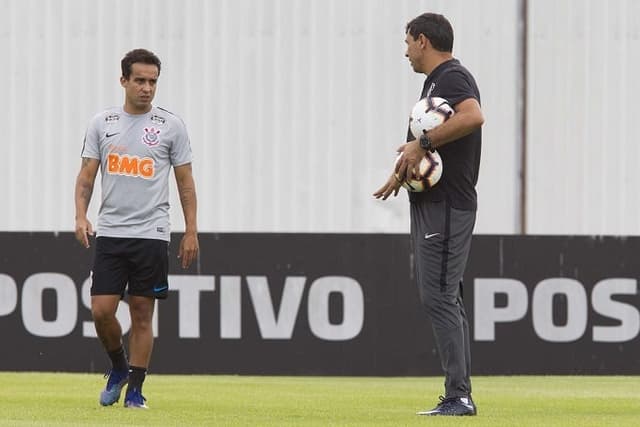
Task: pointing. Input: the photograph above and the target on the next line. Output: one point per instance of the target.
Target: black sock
(136, 377)
(119, 359)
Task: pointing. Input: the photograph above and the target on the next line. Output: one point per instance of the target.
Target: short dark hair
(138, 55)
(434, 27)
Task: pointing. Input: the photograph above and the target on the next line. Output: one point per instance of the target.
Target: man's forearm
(83, 193)
(188, 199)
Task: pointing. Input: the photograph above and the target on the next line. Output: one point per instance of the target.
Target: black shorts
(142, 264)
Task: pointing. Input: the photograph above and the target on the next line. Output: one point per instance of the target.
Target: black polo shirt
(460, 158)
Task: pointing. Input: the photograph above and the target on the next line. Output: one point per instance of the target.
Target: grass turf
(72, 399)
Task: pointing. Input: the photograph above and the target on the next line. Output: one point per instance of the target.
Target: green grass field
(50, 399)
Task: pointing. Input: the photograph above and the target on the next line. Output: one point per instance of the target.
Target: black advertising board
(335, 304)
(570, 304)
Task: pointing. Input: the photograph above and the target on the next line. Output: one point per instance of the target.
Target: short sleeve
(458, 88)
(181, 147)
(91, 145)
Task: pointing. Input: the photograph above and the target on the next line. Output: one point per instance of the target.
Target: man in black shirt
(443, 217)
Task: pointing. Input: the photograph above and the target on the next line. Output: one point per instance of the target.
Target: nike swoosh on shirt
(430, 235)
(109, 135)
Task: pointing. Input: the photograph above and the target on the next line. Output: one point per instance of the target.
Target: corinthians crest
(151, 137)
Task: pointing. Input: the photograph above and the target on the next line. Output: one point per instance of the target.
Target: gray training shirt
(136, 152)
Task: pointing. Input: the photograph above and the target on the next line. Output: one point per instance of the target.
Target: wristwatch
(425, 142)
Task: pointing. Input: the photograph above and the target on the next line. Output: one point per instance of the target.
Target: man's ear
(424, 41)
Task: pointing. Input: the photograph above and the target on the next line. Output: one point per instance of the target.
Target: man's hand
(391, 186)
(84, 229)
(189, 247)
(408, 163)
(84, 189)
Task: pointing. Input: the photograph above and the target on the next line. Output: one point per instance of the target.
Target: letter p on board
(487, 314)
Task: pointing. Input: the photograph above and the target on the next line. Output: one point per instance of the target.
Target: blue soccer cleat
(135, 400)
(115, 383)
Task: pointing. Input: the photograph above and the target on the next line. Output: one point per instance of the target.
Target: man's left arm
(468, 117)
(189, 245)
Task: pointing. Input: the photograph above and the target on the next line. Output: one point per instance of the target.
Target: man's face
(140, 87)
(414, 52)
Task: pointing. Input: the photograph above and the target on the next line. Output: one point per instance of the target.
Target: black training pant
(441, 239)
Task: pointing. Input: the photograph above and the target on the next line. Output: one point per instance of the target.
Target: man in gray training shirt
(134, 147)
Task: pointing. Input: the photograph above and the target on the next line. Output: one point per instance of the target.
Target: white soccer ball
(428, 173)
(429, 113)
